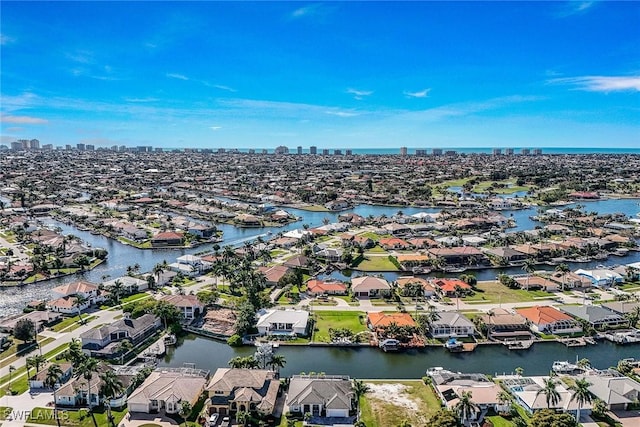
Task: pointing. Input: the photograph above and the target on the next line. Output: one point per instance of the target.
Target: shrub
(234, 340)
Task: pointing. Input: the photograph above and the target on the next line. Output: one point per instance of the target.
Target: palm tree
(584, 363)
(86, 369)
(38, 361)
(581, 394)
(360, 389)
(111, 387)
(123, 348)
(29, 364)
(74, 352)
(519, 371)
(54, 373)
(551, 393)
(528, 267)
(277, 361)
(185, 410)
(242, 417)
(11, 369)
(117, 289)
(503, 398)
(563, 269)
(465, 406)
(78, 302)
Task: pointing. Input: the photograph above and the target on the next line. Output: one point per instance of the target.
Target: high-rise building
(497, 151)
(252, 151)
(47, 147)
(525, 152)
(80, 146)
(299, 149)
(537, 152)
(421, 153)
(450, 153)
(337, 152)
(325, 151)
(90, 147)
(508, 151)
(437, 151)
(313, 150)
(265, 151)
(281, 149)
(403, 151)
(34, 144)
(348, 152)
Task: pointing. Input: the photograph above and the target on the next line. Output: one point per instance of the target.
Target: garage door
(337, 413)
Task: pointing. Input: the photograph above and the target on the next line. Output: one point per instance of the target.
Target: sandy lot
(393, 393)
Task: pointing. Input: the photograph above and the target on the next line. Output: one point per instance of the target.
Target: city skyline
(332, 75)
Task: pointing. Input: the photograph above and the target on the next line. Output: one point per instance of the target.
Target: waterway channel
(367, 362)
(120, 256)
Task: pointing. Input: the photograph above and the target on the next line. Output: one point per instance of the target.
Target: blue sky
(334, 75)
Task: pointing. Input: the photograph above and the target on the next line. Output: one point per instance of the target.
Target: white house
(451, 324)
(166, 390)
(284, 322)
(369, 286)
(39, 379)
(86, 289)
(601, 277)
(320, 395)
(129, 284)
(66, 305)
(188, 305)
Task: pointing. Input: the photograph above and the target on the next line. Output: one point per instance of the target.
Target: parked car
(213, 419)
(225, 422)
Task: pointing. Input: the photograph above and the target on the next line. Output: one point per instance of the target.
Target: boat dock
(518, 345)
(157, 349)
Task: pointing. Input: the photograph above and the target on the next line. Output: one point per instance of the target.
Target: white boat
(564, 367)
(170, 339)
(453, 344)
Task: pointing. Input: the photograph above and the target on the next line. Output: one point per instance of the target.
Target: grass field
(375, 263)
(493, 291)
(336, 319)
(76, 418)
(4, 411)
(386, 412)
(71, 323)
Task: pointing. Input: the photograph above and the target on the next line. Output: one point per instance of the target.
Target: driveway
(23, 404)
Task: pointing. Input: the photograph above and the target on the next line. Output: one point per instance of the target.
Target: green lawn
(4, 411)
(376, 263)
(71, 323)
(630, 286)
(493, 291)
(76, 418)
(337, 319)
(379, 412)
(376, 250)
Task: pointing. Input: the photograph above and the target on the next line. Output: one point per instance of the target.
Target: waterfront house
(320, 287)
(298, 261)
(449, 387)
(283, 322)
(188, 305)
(428, 288)
(599, 317)
(503, 324)
(274, 274)
(458, 255)
(526, 391)
(184, 269)
(329, 254)
(529, 281)
(130, 284)
(378, 321)
(422, 242)
(621, 307)
(370, 287)
(601, 278)
(321, 396)
(451, 324)
(396, 229)
(39, 379)
(452, 287)
(66, 305)
(617, 392)
(168, 238)
(570, 280)
(75, 392)
(394, 243)
(505, 255)
(87, 290)
(104, 341)
(201, 230)
(548, 320)
(164, 390)
(246, 390)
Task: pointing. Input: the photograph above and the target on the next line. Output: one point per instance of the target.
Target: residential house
(330, 254)
(503, 324)
(529, 281)
(39, 379)
(599, 317)
(231, 390)
(66, 305)
(274, 274)
(164, 390)
(321, 396)
(378, 320)
(505, 255)
(201, 230)
(129, 284)
(451, 324)
(422, 242)
(474, 241)
(617, 392)
(283, 322)
(188, 305)
(104, 341)
(452, 288)
(621, 307)
(601, 278)
(39, 318)
(87, 290)
(570, 280)
(298, 261)
(394, 243)
(527, 393)
(320, 287)
(396, 229)
(168, 238)
(75, 392)
(458, 255)
(370, 287)
(548, 320)
(484, 393)
(428, 288)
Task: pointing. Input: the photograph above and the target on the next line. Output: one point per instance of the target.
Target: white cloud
(305, 11)
(23, 120)
(177, 76)
(570, 8)
(602, 83)
(419, 94)
(81, 57)
(4, 39)
(359, 94)
(215, 127)
(223, 87)
(342, 113)
(141, 99)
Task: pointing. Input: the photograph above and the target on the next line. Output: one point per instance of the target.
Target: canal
(121, 256)
(366, 362)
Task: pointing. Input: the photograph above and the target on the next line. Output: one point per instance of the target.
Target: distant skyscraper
(450, 153)
(537, 151)
(80, 146)
(265, 151)
(34, 144)
(47, 147)
(348, 152)
(252, 151)
(90, 147)
(508, 151)
(403, 151)
(281, 149)
(497, 151)
(299, 149)
(437, 151)
(313, 150)
(325, 151)
(337, 152)
(525, 152)
(421, 153)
